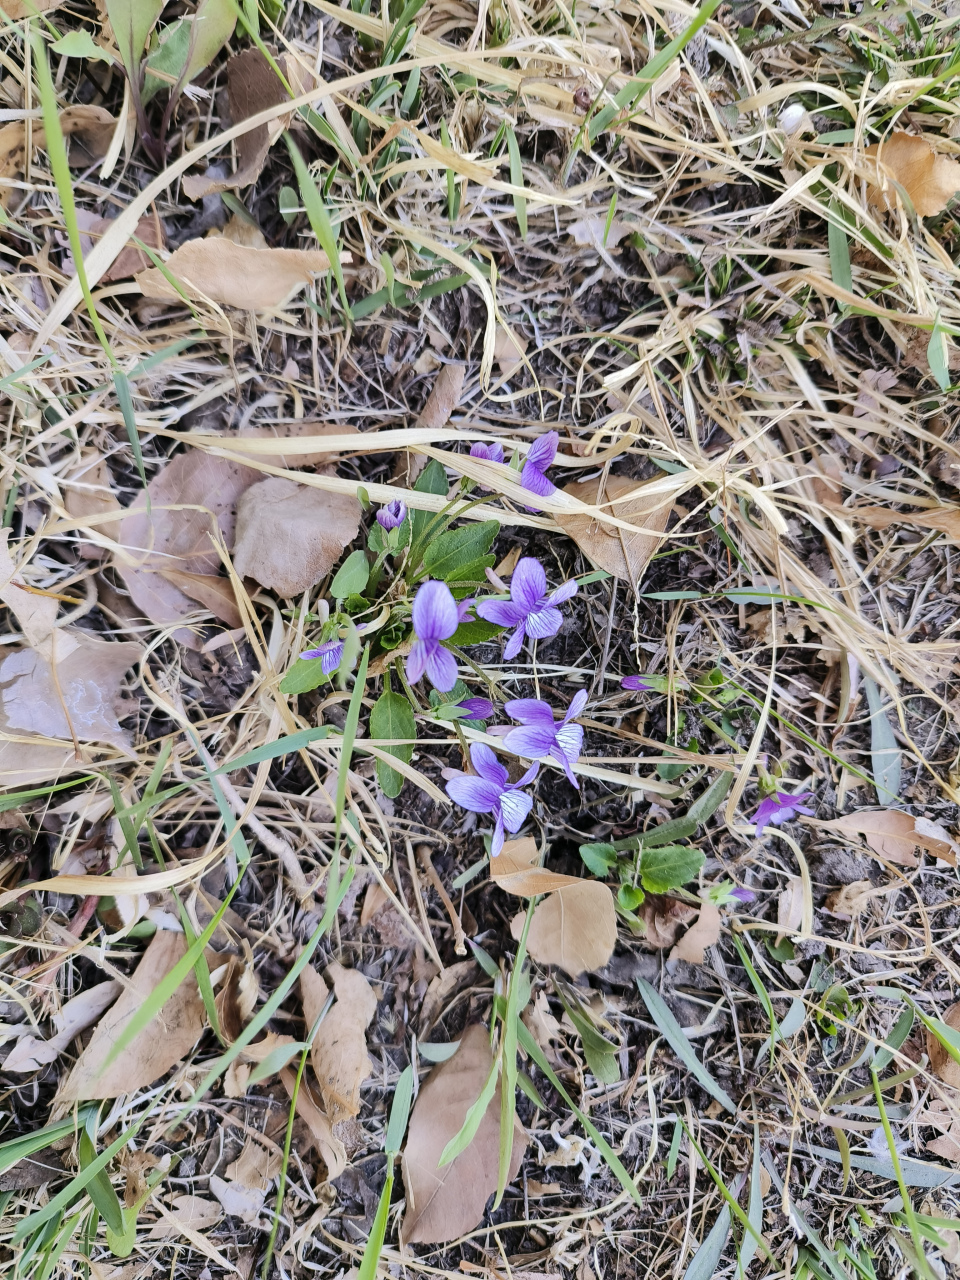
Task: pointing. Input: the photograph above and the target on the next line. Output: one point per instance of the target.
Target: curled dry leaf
(847, 902)
(31, 1053)
(244, 1189)
(575, 927)
(328, 1146)
(664, 918)
(193, 500)
(237, 997)
(895, 836)
(703, 933)
(163, 1042)
(252, 87)
(339, 1051)
(290, 536)
(217, 270)
(929, 179)
(444, 396)
(790, 908)
(443, 1204)
(443, 987)
(940, 1061)
(515, 871)
(130, 259)
(193, 1211)
(625, 555)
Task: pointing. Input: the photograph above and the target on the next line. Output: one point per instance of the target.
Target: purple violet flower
(540, 737)
(635, 682)
(743, 895)
(476, 708)
(392, 515)
(492, 452)
(436, 616)
(329, 654)
(539, 456)
(491, 791)
(529, 610)
(780, 808)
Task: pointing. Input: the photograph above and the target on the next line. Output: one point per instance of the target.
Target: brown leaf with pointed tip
(159, 1046)
(947, 1068)
(289, 536)
(215, 593)
(930, 180)
(444, 396)
(515, 870)
(894, 835)
(339, 1050)
(443, 1204)
(703, 933)
(235, 275)
(943, 519)
(625, 555)
(575, 928)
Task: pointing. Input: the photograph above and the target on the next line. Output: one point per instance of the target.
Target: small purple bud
(635, 682)
(392, 515)
(743, 895)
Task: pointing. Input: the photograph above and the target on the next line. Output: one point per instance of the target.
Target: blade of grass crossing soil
(673, 1034)
(396, 1127)
(319, 218)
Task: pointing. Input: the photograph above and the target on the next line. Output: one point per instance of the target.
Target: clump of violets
(540, 737)
(539, 456)
(436, 616)
(530, 610)
(780, 807)
(489, 790)
(392, 515)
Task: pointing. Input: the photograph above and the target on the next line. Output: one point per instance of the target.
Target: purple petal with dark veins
(563, 592)
(503, 613)
(531, 740)
(487, 765)
(544, 622)
(543, 450)
(515, 805)
(530, 711)
(528, 586)
(434, 611)
(476, 794)
(442, 669)
(514, 644)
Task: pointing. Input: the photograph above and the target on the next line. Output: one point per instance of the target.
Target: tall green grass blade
(748, 1246)
(319, 218)
(706, 1261)
(468, 1131)
(838, 245)
(516, 178)
(519, 986)
(884, 748)
(673, 1034)
(99, 1188)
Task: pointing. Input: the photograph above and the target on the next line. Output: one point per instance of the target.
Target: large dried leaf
(444, 396)
(929, 179)
(252, 87)
(515, 870)
(35, 612)
(130, 259)
(943, 519)
(443, 1204)
(575, 928)
(193, 500)
(895, 836)
(290, 536)
(235, 275)
(192, 1211)
(663, 918)
(625, 555)
(329, 1147)
(339, 1050)
(161, 1044)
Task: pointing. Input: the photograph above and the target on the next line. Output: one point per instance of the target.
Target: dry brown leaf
(625, 555)
(847, 902)
(17, 10)
(542, 1025)
(30, 1053)
(35, 612)
(703, 933)
(443, 1204)
(508, 351)
(444, 396)
(252, 87)
(929, 179)
(575, 928)
(235, 275)
(947, 1147)
(329, 1147)
(237, 997)
(130, 259)
(790, 908)
(664, 918)
(940, 1061)
(515, 871)
(88, 491)
(443, 988)
(339, 1051)
(244, 1189)
(894, 835)
(943, 519)
(193, 1211)
(33, 1171)
(192, 499)
(216, 594)
(162, 1043)
(290, 536)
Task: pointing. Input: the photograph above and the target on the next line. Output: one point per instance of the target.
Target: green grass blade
(673, 1034)
(319, 218)
(838, 246)
(100, 1188)
(468, 1131)
(516, 178)
(748, 1246)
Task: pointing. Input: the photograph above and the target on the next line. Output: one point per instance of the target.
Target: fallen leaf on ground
(244, 1190)
(33, 1171)
(16, 10)
(625, 555)
(943, 519)
(193, 1211)
(444, 396)
(515, 871)
(443, 988)
(847, 902)
(703, 933)
(947, 1147)
(235, 275)
(237, 997)
(929, 179)
(88, 491)
(290, 536)
(192, 499)
(575, 928)
(35, 612)
(30, 1052)
(216, 594)
(894, 835)
(664, 918)
(162, 1043)
(508, 351)
(130, 259)
(790, 908)
(542, 1025)
(940, 1061)
(329, 1147)
(443, 1204)
(339, 1051)
(252, 87)
(596, 234)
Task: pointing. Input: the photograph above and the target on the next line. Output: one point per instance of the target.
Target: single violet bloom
(476, 708)
(330, 655)
(743, 895)
(540, 737)
(492, 452)
(639, 683)
(539, 456)
(392, 515)
(780, 808)
(436, 617)
(530, 611)
(491, 791)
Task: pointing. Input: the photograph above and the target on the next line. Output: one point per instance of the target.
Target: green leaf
(121, 1242)
(673, 1034)
(630, 897)
(706, 1261)
(99, 1188)
(165, 63)
(79, 44)
(288, 202)
(132, 21)
(475, 632)
(470, 576)
(351, 577)
(516, 179)
(669, 866)
(839, 247)
(938, 355)
(460, 1141)
(274, 1062)
(711, 800)
(432, 479)
(319, 217)
(449, 555)
(17, 1149)
(667, 832)
(901, 1029)
(884, 748)
(304, 675)
(599, 858)
(399, 1112)
(392, 717)
(605, 1066)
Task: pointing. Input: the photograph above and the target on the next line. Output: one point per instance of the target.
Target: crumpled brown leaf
(329, 1147)
(30, 1053)
(444, 396)
(515, 870)
(244, 1189)
(575, 927)
(130, 259)
(625, 555)
(703, 933)
(930, 180)
(664, 917)
(237, 997)
(894, 835)
(163, 1042)
(339, 1050)
(193, 1211)
(235, 275)
(289, 536)
(443, 1204)
(252, 87)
